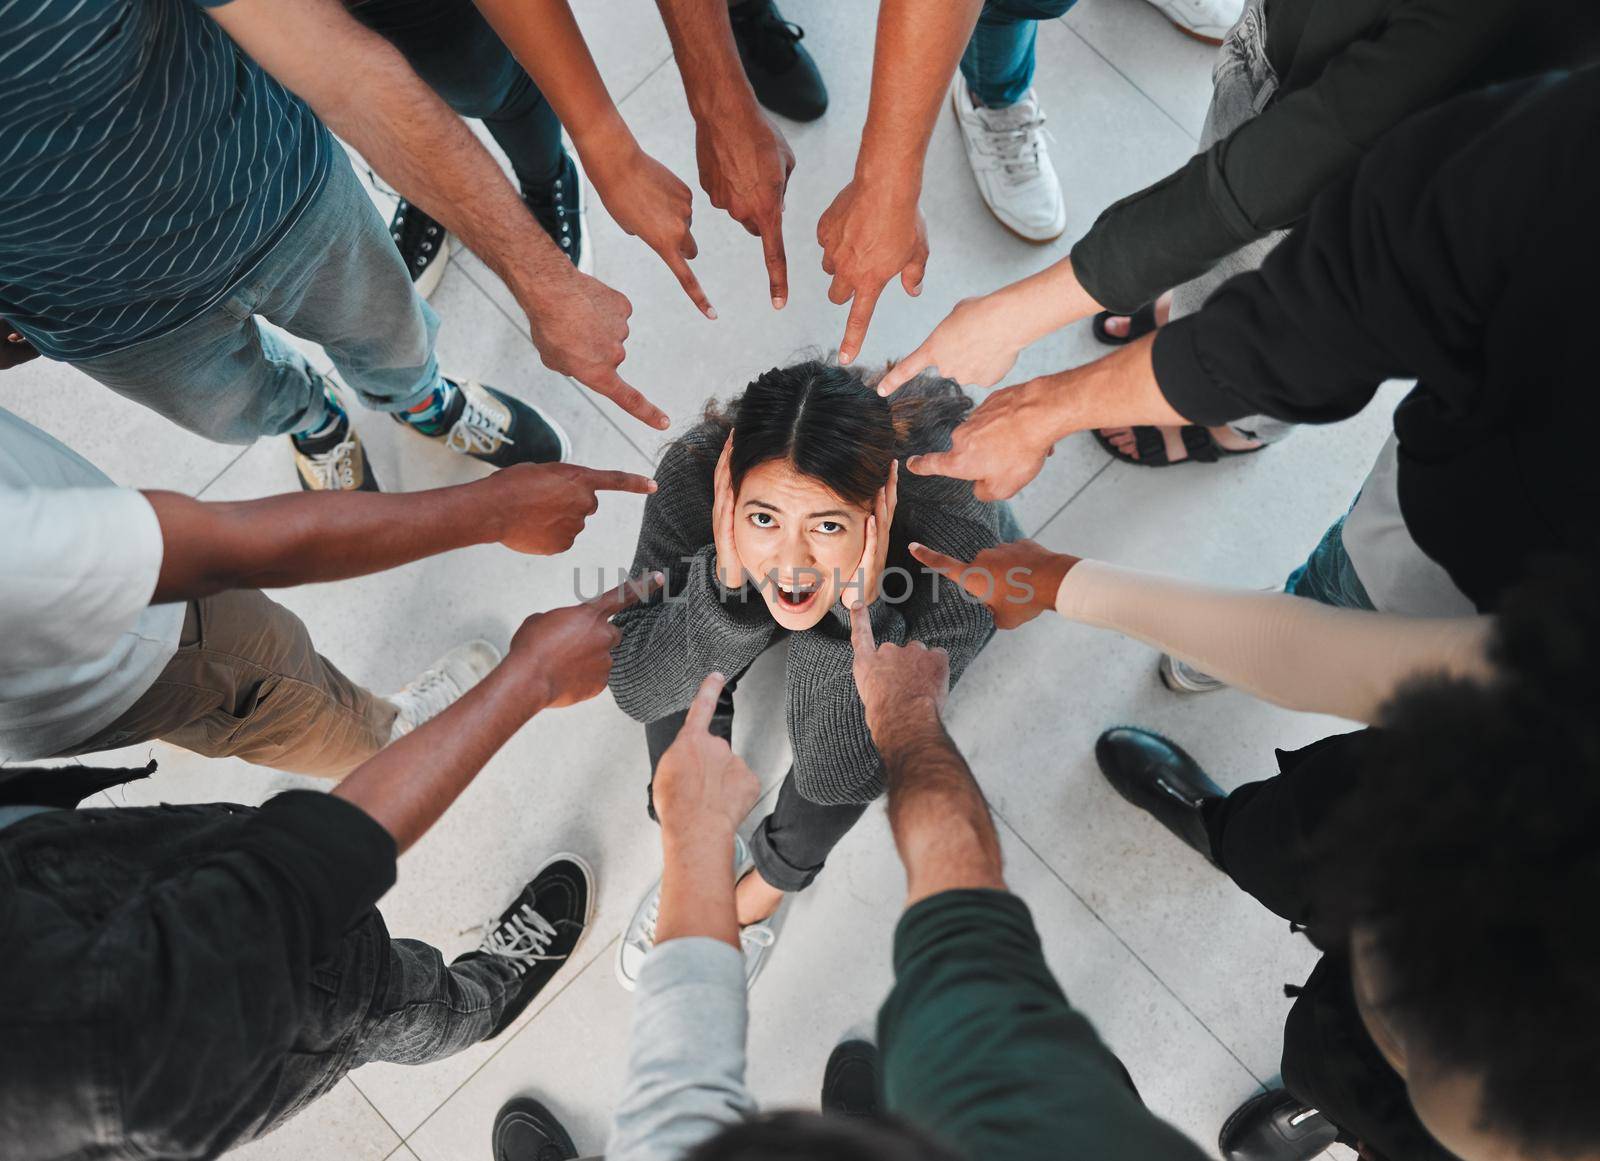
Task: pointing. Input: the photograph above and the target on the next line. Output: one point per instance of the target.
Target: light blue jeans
(998, 63)
(335, 278)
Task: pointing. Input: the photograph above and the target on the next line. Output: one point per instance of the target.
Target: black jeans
(389, 1000)
(792, 843)
(453, 48)
(1264, 835)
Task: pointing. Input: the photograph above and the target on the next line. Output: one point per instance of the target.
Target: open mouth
(796, 597)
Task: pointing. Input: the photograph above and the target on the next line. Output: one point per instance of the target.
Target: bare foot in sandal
(1176, 446)
(1117, 325)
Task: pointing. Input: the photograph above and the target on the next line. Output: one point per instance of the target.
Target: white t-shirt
(79, 557)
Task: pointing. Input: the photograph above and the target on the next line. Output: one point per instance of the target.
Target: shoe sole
(955, 107)
(434, 274)
(1213, 41)
(585, 262)
(1176, 684)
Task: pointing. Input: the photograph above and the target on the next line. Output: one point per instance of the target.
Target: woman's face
(799, 541)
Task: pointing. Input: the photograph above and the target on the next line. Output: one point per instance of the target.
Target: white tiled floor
(1181, 972)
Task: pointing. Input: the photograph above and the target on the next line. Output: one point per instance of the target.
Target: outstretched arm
(556, 658)
(367, 94)
(874, 230)
(686, 1061)
(1254, 641)
(940, 820)
(302, 538)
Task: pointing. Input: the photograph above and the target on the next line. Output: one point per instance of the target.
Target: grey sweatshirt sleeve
(686, 1058)
(692, 626)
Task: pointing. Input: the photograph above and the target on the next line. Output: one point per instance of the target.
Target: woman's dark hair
(1468, 848)
(832, 425)
(797, 1136)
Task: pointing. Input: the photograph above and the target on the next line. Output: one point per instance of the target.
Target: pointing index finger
(629, 592)
(609, 480)
(704, 703)
(861, 632)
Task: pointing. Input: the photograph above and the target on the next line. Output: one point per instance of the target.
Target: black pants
(792, 843)
(1265, 837)
(453, 48)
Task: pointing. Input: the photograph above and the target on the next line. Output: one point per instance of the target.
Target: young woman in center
(770, 519)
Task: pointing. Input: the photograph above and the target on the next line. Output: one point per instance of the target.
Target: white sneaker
(1006, 149)
(639, 940)
(1181, 677)
(1207, 20)
(442, 683)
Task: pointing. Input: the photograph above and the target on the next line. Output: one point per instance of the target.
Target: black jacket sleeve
(1264, 175)
(1409, 268)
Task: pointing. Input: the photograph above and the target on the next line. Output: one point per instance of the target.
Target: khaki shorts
(247, 683)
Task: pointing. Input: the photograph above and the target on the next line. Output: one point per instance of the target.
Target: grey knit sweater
(669, 645)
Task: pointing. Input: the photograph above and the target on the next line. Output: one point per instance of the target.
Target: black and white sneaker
(497, 428)
(423, 244)
(562, 208)
(336, 462)
(541, 929)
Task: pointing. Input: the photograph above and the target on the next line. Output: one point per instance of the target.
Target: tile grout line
(1116, 935)
(223, 471)
(1160, 108)
(1100, 471)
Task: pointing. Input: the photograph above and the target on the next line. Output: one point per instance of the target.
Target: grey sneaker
(640, 937)
(428, 694)
(1181, 677)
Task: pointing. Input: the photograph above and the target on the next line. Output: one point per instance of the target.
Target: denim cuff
(773, 867)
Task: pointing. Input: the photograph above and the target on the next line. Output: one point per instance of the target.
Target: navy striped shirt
(146, 164)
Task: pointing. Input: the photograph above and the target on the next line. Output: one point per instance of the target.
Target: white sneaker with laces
(1207, 20)
(1006, 149)
(640, 938)
(443, 682)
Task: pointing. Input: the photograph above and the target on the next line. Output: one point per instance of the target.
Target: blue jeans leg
(998, 63)
(336, 279)
(454, 49)
(1328, 575)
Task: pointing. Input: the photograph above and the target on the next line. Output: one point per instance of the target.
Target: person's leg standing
(792, 843)
(1001, 122)
(461, 57)
(1328, 574)
(453, 48)
(248, 682)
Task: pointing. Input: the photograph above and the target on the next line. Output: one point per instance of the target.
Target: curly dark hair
(831, 423)
(1469, 850)
(799, 1136)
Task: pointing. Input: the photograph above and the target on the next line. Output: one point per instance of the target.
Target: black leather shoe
(850, 1084)
(783, 75)
(526, 1131)
(1275, 1126)
(1160, 779)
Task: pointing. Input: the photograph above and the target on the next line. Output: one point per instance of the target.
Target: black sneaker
(783, 75)
(524, 1130)
(540, 930)
(336, 462)
(497, 428)
(562, 208)
(423, 243)
(850, 1084)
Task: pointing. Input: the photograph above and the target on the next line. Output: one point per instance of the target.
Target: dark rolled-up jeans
(792, 843)
(454, 49)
